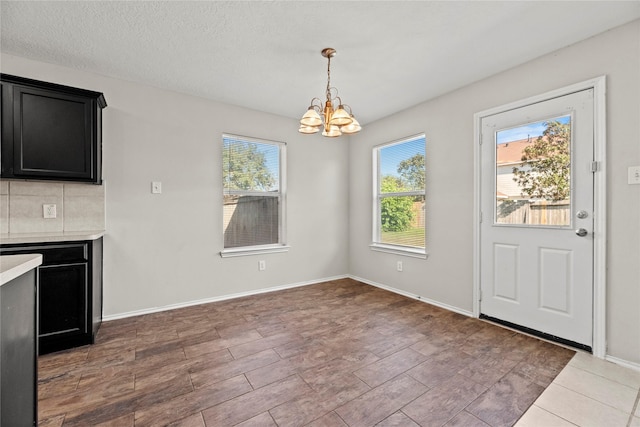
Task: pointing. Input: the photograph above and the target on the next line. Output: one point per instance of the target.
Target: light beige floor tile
(579, 409)
(635, 422)
(603, 390)
(606, 369)
(536, 417)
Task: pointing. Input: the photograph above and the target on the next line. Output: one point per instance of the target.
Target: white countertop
(12, 266)
(66, 236)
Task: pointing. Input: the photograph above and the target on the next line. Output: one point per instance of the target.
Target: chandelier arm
(333, 93)
(318, 105)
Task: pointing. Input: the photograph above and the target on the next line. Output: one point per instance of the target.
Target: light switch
(156, 187)
(634, 174)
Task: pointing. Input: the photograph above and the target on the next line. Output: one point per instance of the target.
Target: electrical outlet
(262, 265)
(399, 266)
(49, 211)
(156, 187)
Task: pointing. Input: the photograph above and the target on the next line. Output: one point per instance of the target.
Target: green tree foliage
(245, 167)
(412, 171)
(548, 159)
(396, 213)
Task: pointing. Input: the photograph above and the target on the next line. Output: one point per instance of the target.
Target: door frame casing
(598, 84)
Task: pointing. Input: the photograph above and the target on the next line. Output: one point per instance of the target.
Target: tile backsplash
(79, 207)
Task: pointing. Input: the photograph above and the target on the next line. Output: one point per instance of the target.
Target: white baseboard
(107, 318)
(617, 361)
(623, 363)
(413, 296)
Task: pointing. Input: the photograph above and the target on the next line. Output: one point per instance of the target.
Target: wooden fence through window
(250, 220)
(533, 213)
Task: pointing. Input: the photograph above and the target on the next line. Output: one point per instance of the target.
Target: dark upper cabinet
(50, 131)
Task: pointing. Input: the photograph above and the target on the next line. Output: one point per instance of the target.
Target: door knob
(581, 232)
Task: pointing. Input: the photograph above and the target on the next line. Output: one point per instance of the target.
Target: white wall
(446, 276)
(163, 250)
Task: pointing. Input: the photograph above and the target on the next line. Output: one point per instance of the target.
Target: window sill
(399, 250)
(253, 250)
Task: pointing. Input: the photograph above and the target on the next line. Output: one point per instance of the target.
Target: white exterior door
(537, 205)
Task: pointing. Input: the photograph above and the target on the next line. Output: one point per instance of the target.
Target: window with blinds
(400, 192)
(253, 193)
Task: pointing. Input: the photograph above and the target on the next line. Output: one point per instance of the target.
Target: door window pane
(533, 174)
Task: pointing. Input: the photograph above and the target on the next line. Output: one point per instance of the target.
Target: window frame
(376, 244)
(281, 194)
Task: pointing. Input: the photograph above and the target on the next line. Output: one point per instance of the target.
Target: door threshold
(538, 334)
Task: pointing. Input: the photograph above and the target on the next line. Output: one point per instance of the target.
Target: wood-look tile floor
(338, 353)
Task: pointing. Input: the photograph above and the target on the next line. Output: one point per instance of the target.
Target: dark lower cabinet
(63, 300)
(18, 362)
(70, 292)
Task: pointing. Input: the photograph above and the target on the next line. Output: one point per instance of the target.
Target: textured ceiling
(266, 55)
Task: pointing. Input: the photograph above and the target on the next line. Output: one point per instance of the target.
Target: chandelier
(334, 122)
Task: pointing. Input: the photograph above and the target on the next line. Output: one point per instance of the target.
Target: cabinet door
(62, 300)
(52, 134)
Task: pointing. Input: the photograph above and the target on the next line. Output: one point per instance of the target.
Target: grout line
(62, 203)
(604, 377)
(589, 369)
(552, 413)
(633, 410)
(594, 399)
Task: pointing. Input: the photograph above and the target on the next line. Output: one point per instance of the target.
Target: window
(533, 174)
(399, 197)
(253, 195)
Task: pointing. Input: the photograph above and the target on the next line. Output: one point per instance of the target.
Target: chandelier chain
(329, 77)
